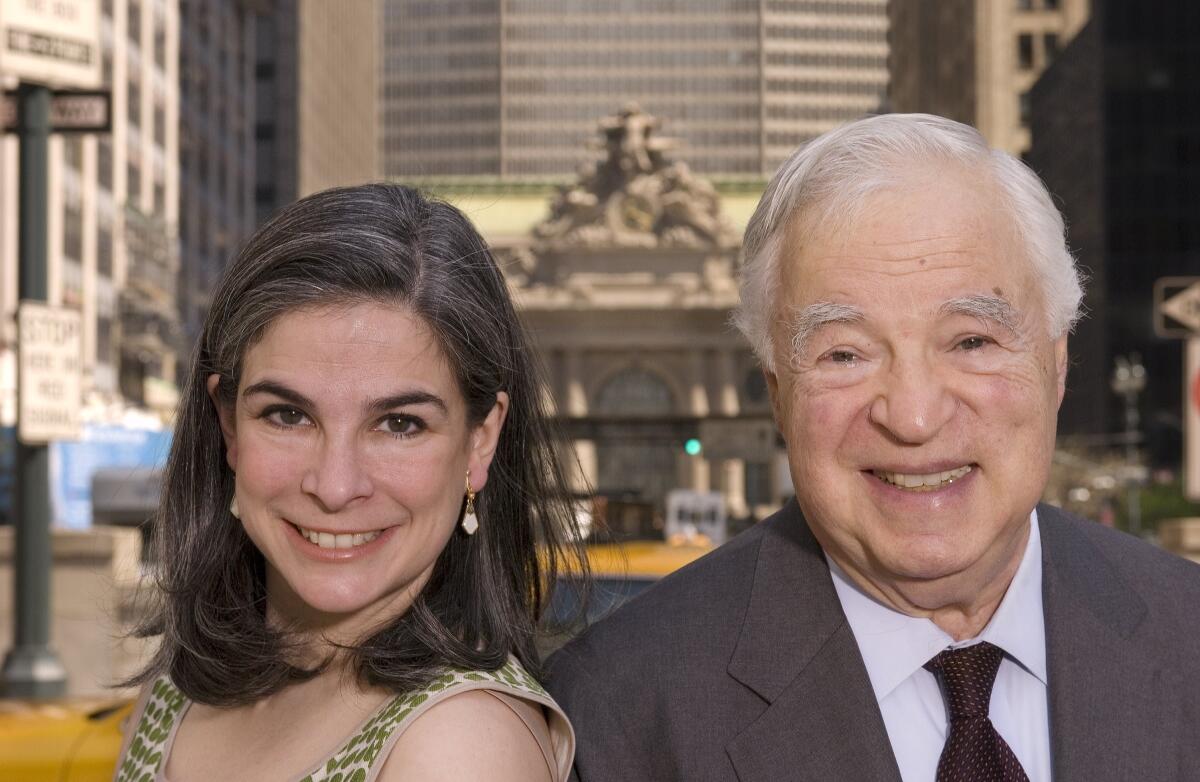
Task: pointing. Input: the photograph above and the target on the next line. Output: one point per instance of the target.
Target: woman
(362, 515)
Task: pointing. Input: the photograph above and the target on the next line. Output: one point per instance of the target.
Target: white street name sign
(51, 42)
(49, 392)
(71, 111)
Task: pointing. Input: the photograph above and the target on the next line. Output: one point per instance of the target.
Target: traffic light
(692, 447)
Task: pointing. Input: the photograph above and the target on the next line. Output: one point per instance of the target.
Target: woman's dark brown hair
(391, 245)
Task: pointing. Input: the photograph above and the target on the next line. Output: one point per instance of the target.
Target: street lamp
(1129, 380)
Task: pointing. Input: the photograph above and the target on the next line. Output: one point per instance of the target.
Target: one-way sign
(1177, 306)
(71, 111)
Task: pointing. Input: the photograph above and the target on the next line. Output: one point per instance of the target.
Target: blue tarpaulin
(73, 463)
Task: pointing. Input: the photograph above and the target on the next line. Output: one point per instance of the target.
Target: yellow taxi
(620, 571)
(68, 741)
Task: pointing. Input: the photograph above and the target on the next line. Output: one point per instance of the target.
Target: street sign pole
(1191, 419)
(31, 668)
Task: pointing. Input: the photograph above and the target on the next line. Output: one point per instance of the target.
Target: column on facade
(731, 472)
(575, 405)
(696, 470)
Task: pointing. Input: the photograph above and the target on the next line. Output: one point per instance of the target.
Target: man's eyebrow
(985, 307)
(806, 321)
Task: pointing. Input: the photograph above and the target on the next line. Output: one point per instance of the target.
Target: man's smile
(922, 481)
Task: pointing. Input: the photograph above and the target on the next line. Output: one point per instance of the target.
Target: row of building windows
(812, 113)
(838, 7)
(451, 165)
(548, 166)
(422, 89)
(446, 140)
(425, 36)
(396, 119)
(670, 111)
(558, 139)
(441, 62)
(397, 12)
(404, 10)
(606, 57)
(645, 85)
(827, 60)
(788, 138)
(838, 87)
(569, 7)
(789, 32)
(700, 30)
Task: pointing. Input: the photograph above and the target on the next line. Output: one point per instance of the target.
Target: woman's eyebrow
(379, 405)
(404, 399)
(280, 390)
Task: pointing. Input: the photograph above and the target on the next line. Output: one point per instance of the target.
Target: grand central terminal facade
(627, 279)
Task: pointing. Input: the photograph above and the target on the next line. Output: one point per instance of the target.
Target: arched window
(635, 392)
(635, 463)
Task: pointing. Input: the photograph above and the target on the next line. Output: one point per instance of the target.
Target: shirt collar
(895, 645)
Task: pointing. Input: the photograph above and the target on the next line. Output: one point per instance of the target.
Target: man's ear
(225, 414)
(484, 440)
(776, 400)
(1060, 365)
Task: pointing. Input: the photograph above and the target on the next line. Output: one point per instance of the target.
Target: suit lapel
(1113, 715)
(797, 652)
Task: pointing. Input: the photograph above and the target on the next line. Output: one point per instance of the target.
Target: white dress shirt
(895, 646)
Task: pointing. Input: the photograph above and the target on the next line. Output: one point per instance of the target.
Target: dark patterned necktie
(974, 751)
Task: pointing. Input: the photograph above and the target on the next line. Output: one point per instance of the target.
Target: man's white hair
(825, 183)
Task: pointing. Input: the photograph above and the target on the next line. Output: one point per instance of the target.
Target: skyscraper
(216, 146)
(315, 76)
(975, 60)
(513, 88)
(1116, 136)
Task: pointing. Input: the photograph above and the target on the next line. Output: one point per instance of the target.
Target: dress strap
(153, 733)
(361, 757)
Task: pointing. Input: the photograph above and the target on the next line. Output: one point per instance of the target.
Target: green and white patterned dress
(361, 756)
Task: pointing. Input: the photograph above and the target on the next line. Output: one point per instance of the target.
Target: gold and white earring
(470, 522)
(233, 508)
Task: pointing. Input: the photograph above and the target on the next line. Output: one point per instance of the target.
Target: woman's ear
(484, 440)
(225, 414)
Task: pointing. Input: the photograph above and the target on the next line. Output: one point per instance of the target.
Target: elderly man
(915, 614)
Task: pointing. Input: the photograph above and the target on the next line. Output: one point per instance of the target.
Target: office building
(975, 60)
(1116, 136)
(216, 146)
(513, 88)
(316, 76)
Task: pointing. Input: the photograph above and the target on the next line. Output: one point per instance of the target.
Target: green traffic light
(692, 447)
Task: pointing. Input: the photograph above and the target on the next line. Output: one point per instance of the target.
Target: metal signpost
(1191, 401)
(43, 43)
(1177, 314)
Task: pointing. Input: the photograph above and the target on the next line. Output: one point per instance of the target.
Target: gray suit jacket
(742, 667)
